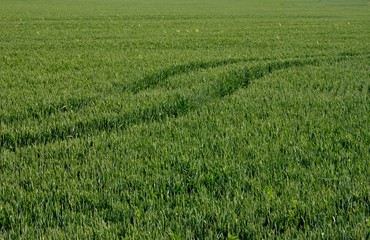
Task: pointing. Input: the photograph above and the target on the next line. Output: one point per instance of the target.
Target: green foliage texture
(184, 119)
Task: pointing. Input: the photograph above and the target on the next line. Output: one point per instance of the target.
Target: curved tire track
(175, 106)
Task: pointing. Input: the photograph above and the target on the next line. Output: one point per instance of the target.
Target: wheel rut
(175, 105)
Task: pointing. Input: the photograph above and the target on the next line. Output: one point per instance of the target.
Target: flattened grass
(184, 119)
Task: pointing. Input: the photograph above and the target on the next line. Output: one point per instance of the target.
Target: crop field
(184, 119)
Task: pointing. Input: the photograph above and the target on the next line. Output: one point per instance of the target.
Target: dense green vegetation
(184, 119)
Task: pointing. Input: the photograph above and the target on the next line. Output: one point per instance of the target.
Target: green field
(184, 119)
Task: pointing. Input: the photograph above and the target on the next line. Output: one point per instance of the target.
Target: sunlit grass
(184, 119)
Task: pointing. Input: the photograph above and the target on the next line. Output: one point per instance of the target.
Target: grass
(184, 119)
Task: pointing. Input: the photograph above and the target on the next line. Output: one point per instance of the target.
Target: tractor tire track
(175, 106)
(152, 80)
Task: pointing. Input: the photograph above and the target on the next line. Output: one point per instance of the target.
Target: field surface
(184, 119)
